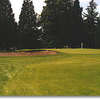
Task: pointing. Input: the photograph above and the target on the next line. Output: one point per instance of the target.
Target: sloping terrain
(71, 72)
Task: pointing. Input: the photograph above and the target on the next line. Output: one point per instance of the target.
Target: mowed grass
(72, 72)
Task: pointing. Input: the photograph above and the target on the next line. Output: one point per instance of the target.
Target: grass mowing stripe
(72, 72)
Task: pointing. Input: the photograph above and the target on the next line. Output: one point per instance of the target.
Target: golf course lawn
(71, 72)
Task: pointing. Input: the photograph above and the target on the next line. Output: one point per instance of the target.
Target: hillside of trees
(62, 24)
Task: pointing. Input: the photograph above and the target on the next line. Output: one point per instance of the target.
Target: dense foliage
(7, 25)
(28, 32)
(62, 24)
(63, 21)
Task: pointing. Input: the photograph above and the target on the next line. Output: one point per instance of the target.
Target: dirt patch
(28, 53)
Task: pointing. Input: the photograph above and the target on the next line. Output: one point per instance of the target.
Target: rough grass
(72, 72)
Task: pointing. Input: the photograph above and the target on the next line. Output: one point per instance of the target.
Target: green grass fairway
(72, 72)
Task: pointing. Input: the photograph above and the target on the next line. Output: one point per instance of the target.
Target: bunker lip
(29, 53)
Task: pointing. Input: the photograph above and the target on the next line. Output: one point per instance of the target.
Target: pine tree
(48, 23)
(97, 35)
(65, 22)
(7, 25)
(56, 17)
(28, 32)
(91, 23)
(77, 25)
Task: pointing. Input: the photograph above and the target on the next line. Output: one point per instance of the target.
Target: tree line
(62, 23)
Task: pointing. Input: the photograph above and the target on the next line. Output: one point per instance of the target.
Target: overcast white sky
(17, 4)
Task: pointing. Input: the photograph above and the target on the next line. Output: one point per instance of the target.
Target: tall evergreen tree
(91, 23)
(65, 22)
(97, 35)
(56, 22)
(77, 25)
(48, 23)
(7, 25)
(28, 32)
